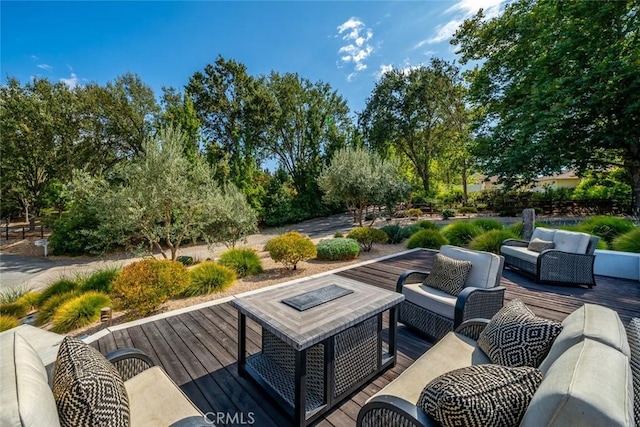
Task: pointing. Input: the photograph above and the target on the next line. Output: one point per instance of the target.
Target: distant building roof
(565, 175)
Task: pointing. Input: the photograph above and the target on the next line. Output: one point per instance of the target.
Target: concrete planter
(623, 265)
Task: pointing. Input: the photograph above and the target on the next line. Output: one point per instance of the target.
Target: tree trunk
(633, 166)
(465, 198)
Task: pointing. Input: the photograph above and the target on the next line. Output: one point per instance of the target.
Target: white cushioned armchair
(570, 260)
(434, 312)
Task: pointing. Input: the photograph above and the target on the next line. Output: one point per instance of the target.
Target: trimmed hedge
(430, 239)
(79, 311)
(461, 233)
(245, 262)
(491, 241)
(338, 249)
(367, 236)
(290, 248)
(208, 277)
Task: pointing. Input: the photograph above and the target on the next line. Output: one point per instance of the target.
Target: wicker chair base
(385, 417)
(430, 324)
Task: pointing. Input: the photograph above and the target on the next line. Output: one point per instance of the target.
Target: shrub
(30, 300)
(60, 286)
(607, 227)
(338, 234)
(468, 210)
(461, 233)
(16, 309)
(79, 311)
(367, 236)
(13, 293)
(517, 228)
(394, 232)
(628, 242)
(488, 224)
(101, 280)
(245, 262)
(338, 249)
(185, 260)
(410, 230)
(49, 307)
(8, 322)
(602, 245)
(141, 287)
(209, 277)
(430, 239)
(426, 224)
(401, 214)
(290, 248)
(491, 240)
(414, 212)
(448, 213)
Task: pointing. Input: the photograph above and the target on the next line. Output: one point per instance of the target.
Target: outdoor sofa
(553, 256)
(89, 385)
(434, 312)
(587, 377)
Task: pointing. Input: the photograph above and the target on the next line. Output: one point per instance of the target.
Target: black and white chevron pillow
(448, 274)
(517, 337)
(87, 388)
(481, 395)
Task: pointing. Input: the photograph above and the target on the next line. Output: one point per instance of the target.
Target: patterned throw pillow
(539, 245)
(481, 395)
(87, 388)
(448, 274)
(517, 337)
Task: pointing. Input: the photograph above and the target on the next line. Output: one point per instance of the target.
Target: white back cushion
(571, 241)
(25, 396)
(543, 234)
(485, 271)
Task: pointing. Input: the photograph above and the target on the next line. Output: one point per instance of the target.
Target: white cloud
(33, 57)
(384, 69)
(462, 10)
(44, 66)
(72, 81)
(357, 49)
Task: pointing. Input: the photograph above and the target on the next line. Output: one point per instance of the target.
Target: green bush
(367, 236)
(209, 277)
(14, 293)
(16, 309)
(448, 213)
(491, 240)
(628, 242)
(49, 307)
(338, 234)
(338, 249)
(79, 311)
(607, 227)
(430, 239)
(60, 286)
(141, 287)
(29, 300)
(426, 224)
(185, 260)
(394, 232)
(290, 248)
(468, 210)
(414, 212)
(8, 322)
(410, 230)
(517, 228)
(602, 245)
(487, 224)
(101, 280)
(245, 262)
(461, 233)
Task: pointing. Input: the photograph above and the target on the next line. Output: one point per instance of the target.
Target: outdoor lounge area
(198, 347)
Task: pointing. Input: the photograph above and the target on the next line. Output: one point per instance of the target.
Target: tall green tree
(557, 87)
(414, 112)
(359, 178)
(179, 112)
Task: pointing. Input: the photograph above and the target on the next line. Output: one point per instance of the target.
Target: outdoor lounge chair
(434, 312)
(568, 259)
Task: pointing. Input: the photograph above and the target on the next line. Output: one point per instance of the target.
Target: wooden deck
(198, 349)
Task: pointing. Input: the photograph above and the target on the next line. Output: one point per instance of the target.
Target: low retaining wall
(624, 265)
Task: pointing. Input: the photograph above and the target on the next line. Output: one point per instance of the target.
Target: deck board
(198, 349)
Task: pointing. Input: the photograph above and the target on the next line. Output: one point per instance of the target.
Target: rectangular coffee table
(316, 353)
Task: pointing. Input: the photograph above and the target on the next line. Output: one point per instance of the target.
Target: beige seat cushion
(155, 400)
(45, 343)
(570, 241)
(486, 267)
(431, 299)
(543, 234)
(520, 253)
(589, 321)
(588, 385)
(25, 396)
(454, 351)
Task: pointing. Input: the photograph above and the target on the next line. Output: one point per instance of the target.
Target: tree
(234, 221)
(557, 87)
(359, 178)
(179, 112)
(414, 112)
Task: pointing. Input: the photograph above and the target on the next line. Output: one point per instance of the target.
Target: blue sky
(346, 44)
